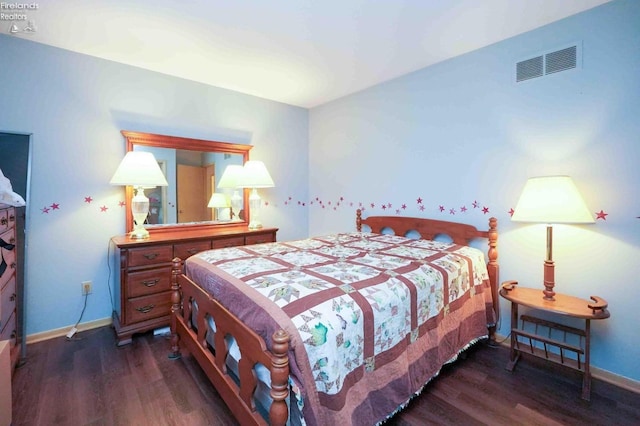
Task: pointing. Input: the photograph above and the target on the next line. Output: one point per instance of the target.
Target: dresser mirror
(193, 168)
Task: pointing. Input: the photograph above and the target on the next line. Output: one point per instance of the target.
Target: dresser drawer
(150, 255)
(148, 282)
(185, 250)
(9, 256)
(4, 219)
(7, 218)
(7, 301)
(227, 242)
(260, 238)
(148, 307)
(10, 331)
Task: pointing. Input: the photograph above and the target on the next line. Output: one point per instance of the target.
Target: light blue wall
(462, 131)
(75, 106)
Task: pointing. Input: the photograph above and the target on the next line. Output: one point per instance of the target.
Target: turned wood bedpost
(493, 268)
(279, 378)
(359, 220)
(176, 270)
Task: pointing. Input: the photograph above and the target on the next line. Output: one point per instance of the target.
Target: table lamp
(140, 170)
(255, 175)
(219, 201)
(551, 199)
(229, 180)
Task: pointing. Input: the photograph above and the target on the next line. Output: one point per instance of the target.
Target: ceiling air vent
(548, 63)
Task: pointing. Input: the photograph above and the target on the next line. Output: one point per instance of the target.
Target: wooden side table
(536, 344)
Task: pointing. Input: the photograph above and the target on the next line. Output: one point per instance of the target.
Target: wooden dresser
(143, 296)
(8, 281)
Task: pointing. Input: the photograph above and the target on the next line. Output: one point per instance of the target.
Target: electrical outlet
(86, 287)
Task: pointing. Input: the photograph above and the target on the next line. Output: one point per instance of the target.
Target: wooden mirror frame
(175, 142)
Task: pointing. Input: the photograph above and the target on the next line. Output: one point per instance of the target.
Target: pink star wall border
(340, 202)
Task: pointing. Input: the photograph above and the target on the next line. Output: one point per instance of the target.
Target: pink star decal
(419, 200)
(421, 208)
(485, 210)
(104, 209)
(404, 207)
(121, 203)
(475, 205)
(441, 208)
(341, 199)
(388, 205)
(384, 207)
(463, 209)
(452, 211)
(511, 211)
(88, 199)
(397, 211)
(372, 205)
(45, 210)
(266, 203)
(55, 206)
(601, 215)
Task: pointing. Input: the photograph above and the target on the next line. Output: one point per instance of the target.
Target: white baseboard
(59, 332)
(597, 373)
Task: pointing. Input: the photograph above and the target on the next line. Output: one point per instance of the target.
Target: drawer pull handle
(145, 309)
(12, 218)
(3, 221)
(150, 283)
(12, 297)
(13, 265)
(151, 256)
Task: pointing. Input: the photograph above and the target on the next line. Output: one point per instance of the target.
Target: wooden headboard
(428, 229)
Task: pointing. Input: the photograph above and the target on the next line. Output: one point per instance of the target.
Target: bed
(345, 327)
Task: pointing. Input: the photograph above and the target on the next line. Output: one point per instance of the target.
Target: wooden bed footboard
(237, 394)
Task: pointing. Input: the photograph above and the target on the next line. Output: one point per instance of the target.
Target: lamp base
(139, 234)
(255, 225)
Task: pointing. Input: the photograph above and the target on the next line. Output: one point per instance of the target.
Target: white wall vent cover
(564, 59)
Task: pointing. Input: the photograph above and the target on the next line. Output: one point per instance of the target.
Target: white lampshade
(255, 175)
(231, 176)
(139, 168)
(219, 200)
(551, 199)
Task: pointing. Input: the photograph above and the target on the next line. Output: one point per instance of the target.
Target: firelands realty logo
(18, 16)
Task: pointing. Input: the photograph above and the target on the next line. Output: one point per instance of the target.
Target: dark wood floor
(89, 381)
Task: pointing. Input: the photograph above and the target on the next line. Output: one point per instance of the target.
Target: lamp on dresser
(140, 170)
(230, 180)
(551, 200)
(255, 175)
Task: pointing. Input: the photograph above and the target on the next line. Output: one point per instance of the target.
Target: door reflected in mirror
(193, 169)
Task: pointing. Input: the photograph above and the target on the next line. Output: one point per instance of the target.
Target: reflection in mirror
(193, 169)
(193, 177)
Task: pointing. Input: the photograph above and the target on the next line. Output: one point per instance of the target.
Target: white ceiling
(300, 52)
